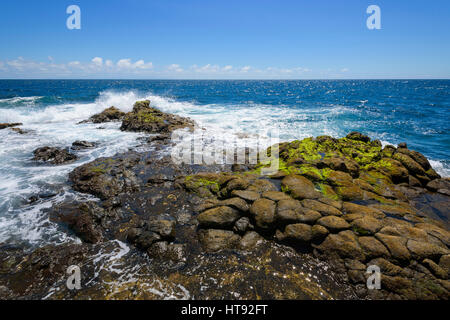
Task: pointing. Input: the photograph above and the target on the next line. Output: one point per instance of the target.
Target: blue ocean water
(412, 111)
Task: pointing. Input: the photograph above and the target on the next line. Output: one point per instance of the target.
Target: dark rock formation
(9, 125)
(53, 155)
(107, 115)
(151, 120)
(106, 177)
(80, 145)
(343, 203)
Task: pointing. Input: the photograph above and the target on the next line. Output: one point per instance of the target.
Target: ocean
(413, 111)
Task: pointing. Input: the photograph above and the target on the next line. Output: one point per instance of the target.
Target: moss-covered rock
(263, 211)
(107, 115)
(299, 187)
(148, 119)
(221, 217)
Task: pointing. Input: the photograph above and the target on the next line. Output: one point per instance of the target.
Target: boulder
(107, 115)
(350, 208)
(444, 263)
(215, 240)
(318, 233)
(435, 269)
(142, 239)
(221, 217)
(410, 164)
(147, 119)
(299, 187)
(344, 244)
(339, 179)
(334, 203)
(421, 250)
(236, 203)
(84, 219)
(366, 225)
(396, 246)
(79, 145)
(392, 168)
(357, 136)
(417, 157)
(435, 231)
(298, 232)
(275, 195)
(333, 223)
(163, 250)
(237, 184)
(105, 177)
(372, 247)
(246, 195)
(439, 184)
(164, 226)
(261, 186)
(53, 155)
(291, 211)
(242, 225)
(250, 240)
(324, 209)
(263, 210)
(342, 164)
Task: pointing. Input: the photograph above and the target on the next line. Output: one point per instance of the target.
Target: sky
(226, 39)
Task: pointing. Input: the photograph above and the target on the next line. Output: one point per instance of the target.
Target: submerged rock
(19, 131)
(79, 145)
(9, 125)
(215, 240)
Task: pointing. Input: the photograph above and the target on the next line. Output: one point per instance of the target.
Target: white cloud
(345, 70)
(74, 64)
(97, 61)
(127, 64)
(208, 68)
(101, 67)
(175, 67)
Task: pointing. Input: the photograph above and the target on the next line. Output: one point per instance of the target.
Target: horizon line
(222, 79)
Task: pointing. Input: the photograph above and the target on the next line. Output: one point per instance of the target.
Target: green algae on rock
(151, 120)
(335, 207)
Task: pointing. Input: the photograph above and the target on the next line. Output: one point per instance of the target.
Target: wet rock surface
(310, 231)
(151, 120)
(107, 115)
(53, 155)
(9, 125)
(80, 145)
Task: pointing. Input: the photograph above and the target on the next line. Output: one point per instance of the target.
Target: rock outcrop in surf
(340, 205)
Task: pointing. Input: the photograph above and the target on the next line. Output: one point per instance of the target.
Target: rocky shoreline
(308, 231)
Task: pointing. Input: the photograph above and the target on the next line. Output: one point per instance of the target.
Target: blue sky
(203, 39)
